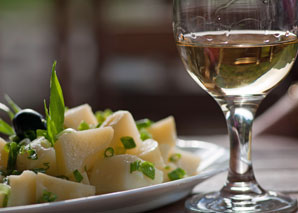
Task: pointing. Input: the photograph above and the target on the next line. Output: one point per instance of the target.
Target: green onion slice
(175, 157)
(47, 197)
(148, 169)
(128, 142)
(144, 123)
(78, 176)
(109, 152)
(176, 174)
(135, 166)
(83, 126)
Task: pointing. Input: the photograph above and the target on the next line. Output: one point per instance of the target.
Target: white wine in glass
(237, 51)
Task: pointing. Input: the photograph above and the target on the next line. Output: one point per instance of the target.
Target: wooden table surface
(275, 162)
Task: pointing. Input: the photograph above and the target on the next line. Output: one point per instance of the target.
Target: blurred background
(117, 54)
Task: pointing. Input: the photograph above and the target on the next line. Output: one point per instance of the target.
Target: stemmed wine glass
(238, 50)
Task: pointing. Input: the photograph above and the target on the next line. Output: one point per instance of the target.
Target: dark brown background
(112, 54)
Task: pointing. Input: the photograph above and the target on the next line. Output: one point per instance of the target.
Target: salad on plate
(72, 152)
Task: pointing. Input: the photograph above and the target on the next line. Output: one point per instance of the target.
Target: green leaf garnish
(12, 104)
(78, 176)
(109, 152)
(7, 110)
(175, 157)
(47, 197)
(55, 114)
(146, 168)
(5, 128)
(144, 134)
(128, 142)
(83, 126)
(144, 123)
(176, 174)
(102, 115)
(5, 190)
(134, 166)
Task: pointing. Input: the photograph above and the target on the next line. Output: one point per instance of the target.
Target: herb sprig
(55, 113)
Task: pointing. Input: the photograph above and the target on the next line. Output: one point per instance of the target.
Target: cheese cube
(164, 132)
(77, 149)
(46, 157)
(124, 125)
(74, 116)
(188, 161)
(149, 151)
(113, 174)
(61, 188)
(23, 190)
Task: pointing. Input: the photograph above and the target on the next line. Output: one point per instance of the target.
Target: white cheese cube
(74, 116)
(124, 125)
(76, 150)
(113, 174)
(46, 157)
(149, 151)
(164, 132)
(23, 190)
(61, 188)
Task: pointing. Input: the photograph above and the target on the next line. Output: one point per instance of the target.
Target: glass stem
(239, 113)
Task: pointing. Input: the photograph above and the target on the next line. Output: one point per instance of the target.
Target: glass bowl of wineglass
(238, 51)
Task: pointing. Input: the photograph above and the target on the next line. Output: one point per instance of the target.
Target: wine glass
(237, 51)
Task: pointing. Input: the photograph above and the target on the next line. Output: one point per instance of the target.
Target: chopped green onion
(176, 174)
(5, 190)
(134, 166)
(175, 157)
(109, 152)
(47, 197)
(12, 104)
(78, 176)
(148, 169)
(32, 153)
(144, 123)
(83, 126)
(144, 134)
(5, 128)
(128, 142)
(101, 116)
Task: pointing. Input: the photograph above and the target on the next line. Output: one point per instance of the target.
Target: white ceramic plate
(214, 160)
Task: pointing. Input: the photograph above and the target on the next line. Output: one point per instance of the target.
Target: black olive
(26, 122)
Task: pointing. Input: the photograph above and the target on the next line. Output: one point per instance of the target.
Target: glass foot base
(214, 202)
